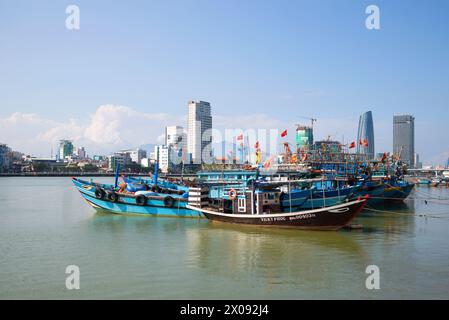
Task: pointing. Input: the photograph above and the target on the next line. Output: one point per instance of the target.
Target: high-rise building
(304, 137)
(176, 139)
(162, 156)
(365, 135)
(81, 153)
(418, 164)
(5, 162)
(65, 149)
(199, 133)
(404, 138)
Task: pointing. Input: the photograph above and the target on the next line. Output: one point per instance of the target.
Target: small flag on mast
(284, 133)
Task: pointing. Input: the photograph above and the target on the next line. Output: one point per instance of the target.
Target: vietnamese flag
(256, 146)
(240, 137)
(365, 142)
(284, 133)
(360, 142)
(352, 145)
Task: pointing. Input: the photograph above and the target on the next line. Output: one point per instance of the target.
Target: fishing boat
(262, 207)
(423, 181)
(138, 199)
(315, 197)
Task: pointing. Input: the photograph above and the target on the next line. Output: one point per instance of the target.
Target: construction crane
(312, 120)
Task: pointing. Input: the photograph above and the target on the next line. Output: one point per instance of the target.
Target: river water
(46, 226)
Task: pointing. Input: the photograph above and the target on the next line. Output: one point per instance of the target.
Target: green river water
(46, 226)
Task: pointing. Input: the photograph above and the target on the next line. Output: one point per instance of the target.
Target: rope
(421, 215)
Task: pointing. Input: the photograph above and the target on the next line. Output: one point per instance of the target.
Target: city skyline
(304, 58)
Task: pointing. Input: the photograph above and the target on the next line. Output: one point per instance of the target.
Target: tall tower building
(199, 133)
(404, 138)
(65, 149)
(304, 137)
(365, 135)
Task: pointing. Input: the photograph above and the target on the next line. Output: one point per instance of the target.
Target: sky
(132, 67)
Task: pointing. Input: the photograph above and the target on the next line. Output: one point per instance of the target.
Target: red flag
(256, 146)
(352, 145)
(365, 143)
(240, 137)
(360, 142)
(284, 133)
(384, 157)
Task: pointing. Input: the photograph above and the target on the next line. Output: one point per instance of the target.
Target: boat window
(241, 204)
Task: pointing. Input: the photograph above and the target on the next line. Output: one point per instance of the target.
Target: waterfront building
(365, 135)
(65, 149)
(46, 164)
(404, 138)
(162, 156)
(81, 153)
(199, 131)
(5, 159)
(99, 158)
(176, 139)
(121, 158)
(304, 137)
(136, 155)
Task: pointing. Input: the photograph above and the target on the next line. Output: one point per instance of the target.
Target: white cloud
(108, 129)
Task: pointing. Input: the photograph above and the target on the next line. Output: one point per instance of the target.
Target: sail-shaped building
(365, 135)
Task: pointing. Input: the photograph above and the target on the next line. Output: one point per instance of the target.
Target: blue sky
(281, 59)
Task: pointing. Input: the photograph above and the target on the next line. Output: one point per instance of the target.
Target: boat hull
(329, 218)
(126, 204)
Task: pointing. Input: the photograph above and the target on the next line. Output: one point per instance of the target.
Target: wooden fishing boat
(262, 204)
(327, 218)
(107, 197)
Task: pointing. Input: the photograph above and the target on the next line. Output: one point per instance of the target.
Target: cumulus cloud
(108, 129)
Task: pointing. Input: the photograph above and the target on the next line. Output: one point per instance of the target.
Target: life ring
(99, 193)
(112, 196)
(141, 200)
(169, 201)
(232, 194)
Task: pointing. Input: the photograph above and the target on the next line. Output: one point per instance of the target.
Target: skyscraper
(404, 138)
(176, 139)
(199, 133)
(365, 135)
(304, 137)
(65, 149)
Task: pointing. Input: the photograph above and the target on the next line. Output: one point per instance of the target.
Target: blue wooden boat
(397, 190)
(107, 197)
(313, 198)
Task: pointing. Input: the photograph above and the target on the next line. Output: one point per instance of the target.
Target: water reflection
(271, 256)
